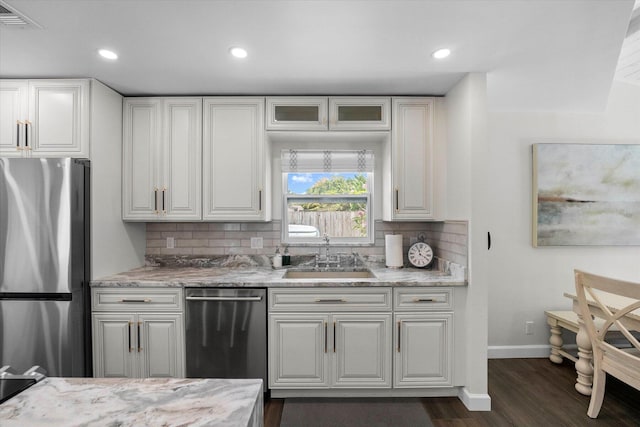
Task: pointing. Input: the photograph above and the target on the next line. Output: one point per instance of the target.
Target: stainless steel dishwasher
(226, 333)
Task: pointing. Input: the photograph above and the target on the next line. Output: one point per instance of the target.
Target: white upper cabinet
(297, 113)
(410, 194)
(13, 112)
(359, 113)
(45, 118)
(235, 181)
(333, 113)
(162, 172)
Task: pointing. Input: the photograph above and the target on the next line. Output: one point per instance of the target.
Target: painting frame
(586, 194)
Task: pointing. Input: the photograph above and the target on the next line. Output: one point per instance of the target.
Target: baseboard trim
(519, 351)
(475, 401)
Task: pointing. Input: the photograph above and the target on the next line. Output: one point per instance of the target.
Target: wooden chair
(593, 292)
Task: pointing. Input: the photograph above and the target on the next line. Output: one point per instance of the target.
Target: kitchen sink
(328, 274)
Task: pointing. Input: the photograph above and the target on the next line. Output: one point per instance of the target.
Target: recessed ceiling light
(441, 53)
(238, 52)
(108, 54)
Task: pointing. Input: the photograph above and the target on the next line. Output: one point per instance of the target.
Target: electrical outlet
(171, 242)
(528, 327)
(256, 243)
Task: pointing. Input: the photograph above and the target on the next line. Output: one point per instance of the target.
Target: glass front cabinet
(334, 113)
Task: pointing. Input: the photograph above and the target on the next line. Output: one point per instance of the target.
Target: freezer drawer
(45, 333)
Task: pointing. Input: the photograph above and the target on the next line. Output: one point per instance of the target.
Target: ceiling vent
(12, 18)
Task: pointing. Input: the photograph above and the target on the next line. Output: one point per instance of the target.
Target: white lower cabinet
(424, 337)
(362, 350)
(330, 350)
(321, 338)
(298, 357)
(355, 339)
(138, 333)
(423, 350)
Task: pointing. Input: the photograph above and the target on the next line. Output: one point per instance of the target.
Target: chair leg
(597, 393)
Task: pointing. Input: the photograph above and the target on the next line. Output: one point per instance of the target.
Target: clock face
(420, 254)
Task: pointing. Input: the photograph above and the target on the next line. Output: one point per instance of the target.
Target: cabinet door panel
(362, 350)
(140, 158)
(359, 113)
(161, 354)
(114, 343)
(423, 349)
(297, 113)
(59, 116)
(298, 355)
(182, 158)
(13, 108)
(233, 150)
(412, 160)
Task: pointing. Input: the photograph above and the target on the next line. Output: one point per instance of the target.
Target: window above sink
(327, 193)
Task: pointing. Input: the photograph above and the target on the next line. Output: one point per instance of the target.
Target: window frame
(338, 241)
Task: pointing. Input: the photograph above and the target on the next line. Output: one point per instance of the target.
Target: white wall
(115, 245)
(466, 106)
(526, 281)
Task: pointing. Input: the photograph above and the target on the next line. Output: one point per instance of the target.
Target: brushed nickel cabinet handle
(330, 300)
(397, 200)
(27, 127)
(260, 200)
(164, 210)
(325, 337)
(18, 123)
(130, 348)
(399, 329)
(334, 336)
(155, 200)
(125, 300)
(425, 300)
(139, 341)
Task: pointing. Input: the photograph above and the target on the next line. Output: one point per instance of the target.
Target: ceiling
(558, 55)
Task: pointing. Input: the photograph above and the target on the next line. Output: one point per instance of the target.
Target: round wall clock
(420, 254)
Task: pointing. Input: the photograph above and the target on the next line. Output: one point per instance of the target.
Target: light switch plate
(171, 242)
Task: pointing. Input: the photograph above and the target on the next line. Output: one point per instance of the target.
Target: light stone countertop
(136, 402)
(267, 277)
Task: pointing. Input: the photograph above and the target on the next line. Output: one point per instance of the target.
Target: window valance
(327, 161)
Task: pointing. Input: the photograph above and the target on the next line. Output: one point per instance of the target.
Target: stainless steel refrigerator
(44, 265)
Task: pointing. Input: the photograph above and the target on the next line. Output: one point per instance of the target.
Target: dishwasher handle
(194, 298)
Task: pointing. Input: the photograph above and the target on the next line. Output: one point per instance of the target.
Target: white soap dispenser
(277, 259)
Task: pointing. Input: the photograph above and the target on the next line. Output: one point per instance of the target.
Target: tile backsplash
(449, 239)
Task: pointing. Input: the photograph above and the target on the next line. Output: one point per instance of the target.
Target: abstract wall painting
(586, 194)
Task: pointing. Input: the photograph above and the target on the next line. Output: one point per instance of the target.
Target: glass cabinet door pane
(296, 113)
(359, 113)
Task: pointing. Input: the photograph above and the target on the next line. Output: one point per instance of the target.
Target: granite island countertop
(162, 276)
(136, 402)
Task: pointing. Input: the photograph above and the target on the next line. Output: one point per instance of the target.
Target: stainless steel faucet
(325, 238)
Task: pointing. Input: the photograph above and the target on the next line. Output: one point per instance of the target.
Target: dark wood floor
(525, 393)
